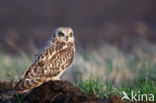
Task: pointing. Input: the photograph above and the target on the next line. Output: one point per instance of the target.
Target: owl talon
(58, 79)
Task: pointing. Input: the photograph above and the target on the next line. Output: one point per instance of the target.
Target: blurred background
(115, 39)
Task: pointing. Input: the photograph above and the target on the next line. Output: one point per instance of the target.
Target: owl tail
(25, 85)
(20, 87)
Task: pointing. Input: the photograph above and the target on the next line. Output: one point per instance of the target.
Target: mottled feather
(50, 62)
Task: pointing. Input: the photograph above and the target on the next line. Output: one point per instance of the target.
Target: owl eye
(71, 34)
(60, 34)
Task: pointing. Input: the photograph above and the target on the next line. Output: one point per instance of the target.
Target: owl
(50, 62)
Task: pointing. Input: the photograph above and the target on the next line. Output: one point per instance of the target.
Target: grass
(108, 89)
(114, 70)
(12, 67)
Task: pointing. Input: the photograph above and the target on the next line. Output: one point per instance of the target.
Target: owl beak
(66, 38)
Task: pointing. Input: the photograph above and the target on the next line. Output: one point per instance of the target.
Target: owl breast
(63, 58)
(60, 61)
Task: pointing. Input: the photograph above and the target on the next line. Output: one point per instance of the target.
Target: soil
(52, 92)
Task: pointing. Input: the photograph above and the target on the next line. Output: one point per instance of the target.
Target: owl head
(64, 34)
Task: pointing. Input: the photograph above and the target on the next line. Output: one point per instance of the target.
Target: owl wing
(47, 66)
(38, 73)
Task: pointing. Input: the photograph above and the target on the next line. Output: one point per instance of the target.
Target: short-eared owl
(51, 61)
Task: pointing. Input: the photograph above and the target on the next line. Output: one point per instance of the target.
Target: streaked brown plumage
(52, 60)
